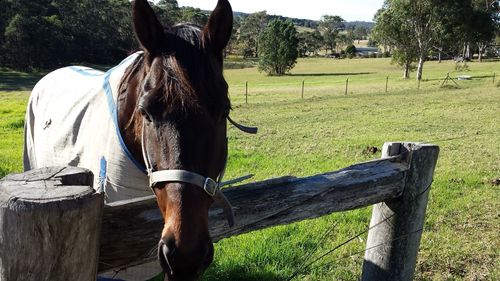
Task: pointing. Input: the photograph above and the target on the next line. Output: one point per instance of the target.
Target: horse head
(173, 106)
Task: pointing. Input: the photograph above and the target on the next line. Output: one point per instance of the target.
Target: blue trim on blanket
(114, 114)
(102, 174)
(111, 103)
(86, 71)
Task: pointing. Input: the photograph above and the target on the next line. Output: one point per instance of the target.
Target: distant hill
(367, 24)
(299, 22)
(312, 23)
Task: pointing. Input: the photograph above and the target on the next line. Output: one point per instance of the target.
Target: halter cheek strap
(246, 129)
(209, 185)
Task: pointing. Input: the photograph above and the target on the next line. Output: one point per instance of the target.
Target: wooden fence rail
(130, 229)
(273, 202)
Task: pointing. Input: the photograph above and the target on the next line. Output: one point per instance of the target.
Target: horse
(156, 121)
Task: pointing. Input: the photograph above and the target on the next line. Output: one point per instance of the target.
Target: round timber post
(396, 225)
(50, 221)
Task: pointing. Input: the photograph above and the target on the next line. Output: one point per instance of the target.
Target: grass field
(328, 130)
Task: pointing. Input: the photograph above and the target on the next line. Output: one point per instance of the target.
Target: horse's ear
(219, 27)
(148, 29)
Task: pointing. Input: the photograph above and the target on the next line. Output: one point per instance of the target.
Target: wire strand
(386, 219)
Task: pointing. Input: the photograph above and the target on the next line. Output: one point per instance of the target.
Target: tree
(343, 40)
(484, 16)
(418, 25)
(392, 29)
(48, 33)
(233, 45)
(278, 47)
(330, 27)
(360, 33)
(168, 12)
(423, 17)
(251, 27)
(32, 41)
(193, 15)
(309, 42)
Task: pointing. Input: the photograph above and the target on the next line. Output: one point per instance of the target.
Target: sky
(350, 10)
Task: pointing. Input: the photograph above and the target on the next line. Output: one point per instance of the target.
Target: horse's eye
(144, 114)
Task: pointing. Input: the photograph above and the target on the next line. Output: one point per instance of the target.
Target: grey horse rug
(71, 119)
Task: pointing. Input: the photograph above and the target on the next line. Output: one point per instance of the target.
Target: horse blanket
(71, 120)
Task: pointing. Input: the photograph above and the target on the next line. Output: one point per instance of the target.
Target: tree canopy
(278, 50)
(330, 26)
(415, 28)
(51, 33)
(250, 29)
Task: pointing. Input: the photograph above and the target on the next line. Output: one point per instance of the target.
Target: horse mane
(187, 88)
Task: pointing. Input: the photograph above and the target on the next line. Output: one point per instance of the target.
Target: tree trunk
(481, 49)
(439, 56)
(406, 74)
(420, 68)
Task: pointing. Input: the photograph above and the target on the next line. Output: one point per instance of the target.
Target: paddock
(398, 184)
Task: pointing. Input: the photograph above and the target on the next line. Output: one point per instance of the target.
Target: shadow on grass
(18, 81)
(330, 74)
(241, 273)
(238, 65)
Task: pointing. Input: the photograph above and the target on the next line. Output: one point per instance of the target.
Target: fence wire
(307, 263)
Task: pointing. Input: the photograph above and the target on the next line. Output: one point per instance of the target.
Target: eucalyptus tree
(415, 27)
(309, 42)
(392, 29)
(251, 27)
(485, 24)
(330, 26)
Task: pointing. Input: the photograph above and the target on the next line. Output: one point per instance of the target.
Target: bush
(350, 51)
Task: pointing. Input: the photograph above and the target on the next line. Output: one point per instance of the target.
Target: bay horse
(156, 121)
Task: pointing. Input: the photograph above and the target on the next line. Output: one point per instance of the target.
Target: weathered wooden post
(346, 85)
(386, 83)
(303, 82)
(50, 221)
(397, 224)
(246, 92)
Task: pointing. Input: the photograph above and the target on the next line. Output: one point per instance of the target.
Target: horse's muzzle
(178, 267)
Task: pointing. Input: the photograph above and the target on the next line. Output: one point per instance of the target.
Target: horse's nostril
(165, 257)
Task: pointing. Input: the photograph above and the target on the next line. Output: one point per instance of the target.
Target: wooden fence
(398, 184)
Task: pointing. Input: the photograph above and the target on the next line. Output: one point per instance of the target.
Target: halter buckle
(210, 186)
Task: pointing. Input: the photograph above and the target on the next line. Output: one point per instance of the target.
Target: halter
(209, 185)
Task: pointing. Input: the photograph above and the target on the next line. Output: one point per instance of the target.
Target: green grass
(328, 130)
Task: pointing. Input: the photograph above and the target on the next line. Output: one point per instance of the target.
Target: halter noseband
(209, 185)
